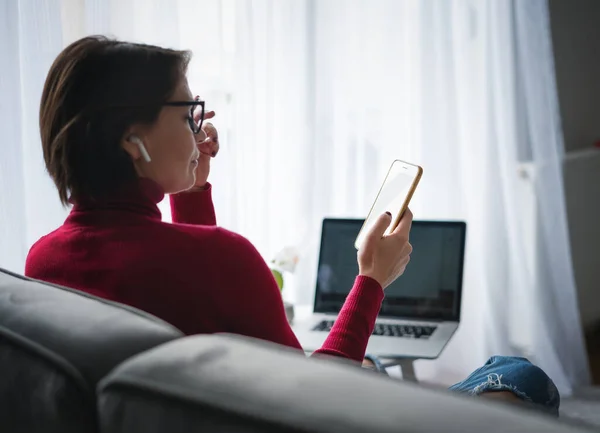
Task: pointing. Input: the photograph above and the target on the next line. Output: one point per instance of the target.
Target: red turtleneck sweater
(191, 273)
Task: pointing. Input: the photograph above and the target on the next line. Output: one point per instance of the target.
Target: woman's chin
(182, 186)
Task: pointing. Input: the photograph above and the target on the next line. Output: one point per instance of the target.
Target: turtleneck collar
(140, 197)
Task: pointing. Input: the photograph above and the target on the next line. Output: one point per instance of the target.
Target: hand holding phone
(384, 258)
(393, 197)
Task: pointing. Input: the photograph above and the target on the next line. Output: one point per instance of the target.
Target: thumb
(405, 223)
(380, 226)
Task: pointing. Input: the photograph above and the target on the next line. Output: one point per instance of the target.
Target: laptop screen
(430, 288)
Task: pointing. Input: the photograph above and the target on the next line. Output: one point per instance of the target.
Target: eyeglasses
(195, 127)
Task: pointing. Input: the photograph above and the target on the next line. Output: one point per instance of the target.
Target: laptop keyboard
(388, 330)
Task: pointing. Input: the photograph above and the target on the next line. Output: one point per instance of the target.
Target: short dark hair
(95, 90)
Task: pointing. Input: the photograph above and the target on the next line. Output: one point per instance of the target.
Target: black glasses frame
(195, 127)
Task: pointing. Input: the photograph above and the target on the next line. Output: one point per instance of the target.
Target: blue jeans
(507, 373)
(517, 375)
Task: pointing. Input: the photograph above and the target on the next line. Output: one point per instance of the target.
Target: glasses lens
(196, 109)
(192, 120)
(201, 109)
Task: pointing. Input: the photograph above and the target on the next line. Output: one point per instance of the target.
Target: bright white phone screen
(393, 196)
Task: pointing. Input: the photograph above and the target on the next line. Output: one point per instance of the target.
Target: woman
(120, 129)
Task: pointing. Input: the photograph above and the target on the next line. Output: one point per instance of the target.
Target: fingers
(402, 268)
(406, 252)
(207, 116)
(210, 131)
(209, 144)
(214, 146)
(398, 270)
(405, 224)
(379, 228)
(209, 147)
(403, 263)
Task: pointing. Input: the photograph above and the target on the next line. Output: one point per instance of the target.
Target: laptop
(421, 309)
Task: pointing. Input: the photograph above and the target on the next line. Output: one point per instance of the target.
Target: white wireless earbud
(140, 144)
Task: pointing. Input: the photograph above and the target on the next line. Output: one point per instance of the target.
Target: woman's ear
(134, 146)
(130, 147)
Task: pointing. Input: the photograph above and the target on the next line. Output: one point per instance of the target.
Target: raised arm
(255, 307)
(194, 207)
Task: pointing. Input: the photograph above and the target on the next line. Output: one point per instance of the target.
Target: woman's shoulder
(217, 249)
(43, 242)
(217, 238)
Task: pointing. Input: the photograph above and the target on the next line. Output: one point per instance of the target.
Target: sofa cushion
(223, 383)
(58, 341)
(41, 393)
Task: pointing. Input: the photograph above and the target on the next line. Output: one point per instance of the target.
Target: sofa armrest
(235, 384)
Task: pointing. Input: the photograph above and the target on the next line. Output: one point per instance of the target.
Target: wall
(575, 26)
(582, 189)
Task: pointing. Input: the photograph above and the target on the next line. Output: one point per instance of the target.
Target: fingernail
(388, 213)
(214, 154)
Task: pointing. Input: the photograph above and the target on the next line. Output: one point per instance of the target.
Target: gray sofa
(70, 362)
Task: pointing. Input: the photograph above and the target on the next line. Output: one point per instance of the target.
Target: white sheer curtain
(30, 39)
(313, 100)
(465, 88)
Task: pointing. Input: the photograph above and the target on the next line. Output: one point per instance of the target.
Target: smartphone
(394, 196)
